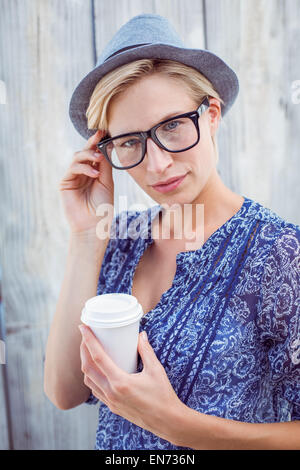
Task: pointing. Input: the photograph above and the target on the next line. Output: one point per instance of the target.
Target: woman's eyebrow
(174, 113)
(163, 118)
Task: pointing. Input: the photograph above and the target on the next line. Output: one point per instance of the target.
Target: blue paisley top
(227, 331)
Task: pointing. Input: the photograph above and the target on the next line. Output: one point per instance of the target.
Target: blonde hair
(118, 80)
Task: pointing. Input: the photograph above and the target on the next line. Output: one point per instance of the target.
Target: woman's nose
(157, 159)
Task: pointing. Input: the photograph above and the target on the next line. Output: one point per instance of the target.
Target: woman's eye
(170, 126)
(130, 143)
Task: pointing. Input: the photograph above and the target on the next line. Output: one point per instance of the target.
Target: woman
(219, 344)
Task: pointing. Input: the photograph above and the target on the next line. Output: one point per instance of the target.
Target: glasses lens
(125, 151)
(177, 134)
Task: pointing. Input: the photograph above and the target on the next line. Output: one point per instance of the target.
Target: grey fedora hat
(150, 36)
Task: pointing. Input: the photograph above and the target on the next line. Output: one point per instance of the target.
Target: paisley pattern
(227, 331)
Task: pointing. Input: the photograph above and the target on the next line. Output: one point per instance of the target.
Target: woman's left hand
(147, 398)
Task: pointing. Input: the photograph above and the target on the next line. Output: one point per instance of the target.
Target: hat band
(125, 49)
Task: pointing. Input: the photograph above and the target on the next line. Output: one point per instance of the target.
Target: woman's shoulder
(276, 248)
(273, 227)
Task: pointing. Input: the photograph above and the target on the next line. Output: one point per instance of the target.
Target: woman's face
(149, 101)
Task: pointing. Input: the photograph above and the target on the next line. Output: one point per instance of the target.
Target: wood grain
(47, 50)
(259, 139)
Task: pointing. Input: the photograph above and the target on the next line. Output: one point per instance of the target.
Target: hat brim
(222, 77)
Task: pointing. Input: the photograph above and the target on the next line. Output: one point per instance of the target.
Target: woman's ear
(214, 113)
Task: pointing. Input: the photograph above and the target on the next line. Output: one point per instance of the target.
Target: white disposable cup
(114, 320)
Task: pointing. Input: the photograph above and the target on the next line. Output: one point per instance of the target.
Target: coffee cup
(114, 319)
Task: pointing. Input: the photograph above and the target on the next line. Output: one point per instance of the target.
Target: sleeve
(280, 315)
(92, 400)
(118, 251)
(114, 257)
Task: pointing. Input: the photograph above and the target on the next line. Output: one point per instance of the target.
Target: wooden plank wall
(260, 137)
(46, 48)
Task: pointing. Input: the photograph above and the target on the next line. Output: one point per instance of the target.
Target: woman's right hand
(82, 190)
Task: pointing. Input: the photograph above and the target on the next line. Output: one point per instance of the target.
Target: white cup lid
(111, 310)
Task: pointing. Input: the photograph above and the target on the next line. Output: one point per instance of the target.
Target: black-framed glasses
(176, 134)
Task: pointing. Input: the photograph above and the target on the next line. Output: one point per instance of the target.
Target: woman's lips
(165, 188)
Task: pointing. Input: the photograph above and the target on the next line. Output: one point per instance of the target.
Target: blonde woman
(219, 344)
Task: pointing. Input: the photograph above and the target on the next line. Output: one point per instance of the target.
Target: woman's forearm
(63, 378)
(199, 431)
